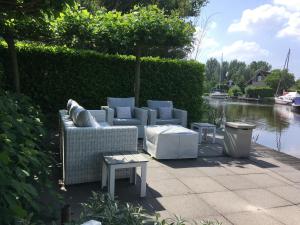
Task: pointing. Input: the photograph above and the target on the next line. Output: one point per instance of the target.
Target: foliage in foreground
(24, 170)
(102, 208)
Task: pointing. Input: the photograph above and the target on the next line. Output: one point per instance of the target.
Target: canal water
(276, 125)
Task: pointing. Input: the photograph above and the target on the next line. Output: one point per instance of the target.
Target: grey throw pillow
(124, 112)
(165, 113)
(85, 119)
(74, 111)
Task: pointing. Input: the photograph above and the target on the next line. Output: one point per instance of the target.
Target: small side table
(113, 161)
(200, 127)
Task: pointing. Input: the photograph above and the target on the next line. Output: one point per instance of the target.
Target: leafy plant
(101, 207)
(258, 92)
(235, 91)
(24, 164)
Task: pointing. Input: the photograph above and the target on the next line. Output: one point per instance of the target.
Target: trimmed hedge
(258, 92)
(51, 75)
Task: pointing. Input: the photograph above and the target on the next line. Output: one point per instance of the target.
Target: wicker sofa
(82, 147)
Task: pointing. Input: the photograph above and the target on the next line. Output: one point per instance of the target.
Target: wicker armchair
(179, 116)
(82, 147)
(139, 115)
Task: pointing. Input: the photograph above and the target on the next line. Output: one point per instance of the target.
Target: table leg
(104, 175)
(200, 135)
(143, 179)
(133, 175)
(111, 182)
(214, 135)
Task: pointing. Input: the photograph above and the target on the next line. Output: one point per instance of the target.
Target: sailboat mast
(285, 69)
(221, 67)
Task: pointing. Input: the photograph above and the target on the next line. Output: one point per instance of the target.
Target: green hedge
(51, 75)
(258, 92)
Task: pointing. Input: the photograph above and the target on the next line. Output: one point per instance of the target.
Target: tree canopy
(282, 78)
(184, 7)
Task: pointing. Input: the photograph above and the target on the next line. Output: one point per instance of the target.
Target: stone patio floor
(261, 190)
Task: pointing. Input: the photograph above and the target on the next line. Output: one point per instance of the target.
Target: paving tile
(227, 202)
(202, 184)
(153, 163)
(264, 180)
(289, 193)
(251, 218)
(186, 172)
(167, 187)
(244, 169)
(293, 176)
(158, 173)
(287, 215)
(215, 171)
(261, 198)
(279, 177)
(235, 182)
(187, 206)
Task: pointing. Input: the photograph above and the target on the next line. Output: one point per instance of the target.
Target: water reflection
(277, 126)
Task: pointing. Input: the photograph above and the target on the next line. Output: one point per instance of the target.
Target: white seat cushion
(168, 121)
(134, 122)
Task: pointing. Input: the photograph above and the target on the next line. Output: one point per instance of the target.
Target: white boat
(287, 98)
(218, 94)
(296, 104)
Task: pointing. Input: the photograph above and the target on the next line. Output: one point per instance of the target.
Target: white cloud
(292, 28)
(242, 50)
(261, 16)
(293, 5)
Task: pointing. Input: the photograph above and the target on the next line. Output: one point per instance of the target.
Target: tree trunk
(14, 62)
(137, 77)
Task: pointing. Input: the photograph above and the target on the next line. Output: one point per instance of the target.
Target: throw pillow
(124, 112)
(165, 113)
(85, 119)
(69, 104)
(74, 111)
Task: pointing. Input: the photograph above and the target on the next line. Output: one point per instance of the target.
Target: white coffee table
(171, 142)
(200, 127)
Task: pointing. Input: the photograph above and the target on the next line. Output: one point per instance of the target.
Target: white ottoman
(171, 142)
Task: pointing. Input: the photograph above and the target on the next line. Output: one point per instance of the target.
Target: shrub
(51, 75)
(235, 91)
(24, 170)
(102, 208)
(258, 92)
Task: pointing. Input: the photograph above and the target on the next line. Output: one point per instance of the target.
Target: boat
(287, 98)
(218, 94)
(296, 104)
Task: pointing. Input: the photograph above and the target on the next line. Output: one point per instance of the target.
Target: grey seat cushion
(134, 122)
(85, 119)
(121, 102)
(167, 121)
(155, 104)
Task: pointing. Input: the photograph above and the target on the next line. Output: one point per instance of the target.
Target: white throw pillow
(165, 113)
(124, 112)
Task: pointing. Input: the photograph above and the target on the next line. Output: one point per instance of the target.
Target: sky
(251, 30)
